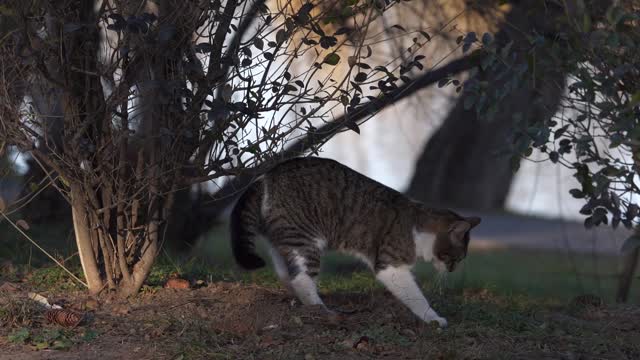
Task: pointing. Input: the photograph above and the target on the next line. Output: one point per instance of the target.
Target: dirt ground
(244, 321)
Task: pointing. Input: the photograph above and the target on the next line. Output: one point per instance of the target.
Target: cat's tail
(245, 224)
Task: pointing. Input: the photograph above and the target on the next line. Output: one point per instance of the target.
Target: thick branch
(225, 196)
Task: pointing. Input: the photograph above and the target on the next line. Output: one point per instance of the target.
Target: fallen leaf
(122, 309)
(9, 287)
(23, 224)
(177, 283)
(91, 304)
(409, 333)
(268, 341)
(362, 344)
(297, 320)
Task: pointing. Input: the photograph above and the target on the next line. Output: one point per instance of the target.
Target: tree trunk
(88, 257)
(629, 265)
(460, 165)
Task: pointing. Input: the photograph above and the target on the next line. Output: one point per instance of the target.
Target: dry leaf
(23, 224)
(363, 343)
(91, 304)
(176, 283)
(351, 60)
(2, 204)
(122, 309)
(9, 287)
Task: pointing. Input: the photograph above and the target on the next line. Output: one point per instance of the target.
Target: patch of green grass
(56, 238)
(536, 273)
(54, 278)
(50, 338)
(533, 273)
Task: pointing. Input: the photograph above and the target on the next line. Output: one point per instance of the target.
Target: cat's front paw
(442, 322)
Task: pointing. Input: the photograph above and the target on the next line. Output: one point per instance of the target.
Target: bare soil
(244, 321)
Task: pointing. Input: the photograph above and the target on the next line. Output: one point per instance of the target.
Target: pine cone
(64, 317)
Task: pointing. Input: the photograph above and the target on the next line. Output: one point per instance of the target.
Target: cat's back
(326, 177)
(317, 172)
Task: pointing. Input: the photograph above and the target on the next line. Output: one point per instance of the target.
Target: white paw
(442, 322)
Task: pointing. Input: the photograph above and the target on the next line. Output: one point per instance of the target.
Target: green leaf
(586, 22)
(19, 336)
(469, 100)
(281, 36)
(632, 243)
(487, 39)
(258, 43)
(576, 193)
(614, 14)
(360, 77)
(332, 59)
(470, 38)
(635, 99)
(61, 344)
(351, 125)
(41, 345)
(558, 133)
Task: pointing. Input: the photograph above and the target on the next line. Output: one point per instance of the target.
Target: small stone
(122, 310)
(362, 344)
(409, 333)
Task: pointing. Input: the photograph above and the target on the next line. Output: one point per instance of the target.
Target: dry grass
(235, 320)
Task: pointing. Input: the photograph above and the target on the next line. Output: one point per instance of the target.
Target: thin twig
(43, 250)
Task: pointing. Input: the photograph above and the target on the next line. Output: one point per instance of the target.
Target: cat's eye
(444, 258)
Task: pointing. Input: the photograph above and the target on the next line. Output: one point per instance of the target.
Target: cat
(305, 206)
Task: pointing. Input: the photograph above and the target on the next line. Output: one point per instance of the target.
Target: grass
(509, 272)
(502, 304)
(56, 238)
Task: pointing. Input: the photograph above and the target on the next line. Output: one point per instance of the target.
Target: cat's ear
(457, 230)
(474, 221)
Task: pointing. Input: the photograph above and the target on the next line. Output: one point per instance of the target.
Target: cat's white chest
(424, 244)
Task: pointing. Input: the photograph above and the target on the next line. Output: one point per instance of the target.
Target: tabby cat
(307, 205)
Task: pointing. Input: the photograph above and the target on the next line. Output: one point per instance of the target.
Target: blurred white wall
(391, 142)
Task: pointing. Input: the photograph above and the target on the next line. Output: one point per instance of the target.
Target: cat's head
(452, 241)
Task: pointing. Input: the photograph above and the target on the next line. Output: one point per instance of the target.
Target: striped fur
(307, 205)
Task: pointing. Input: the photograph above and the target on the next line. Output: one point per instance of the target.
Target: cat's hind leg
(303, 269)
(281, 269)
(400, 282)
